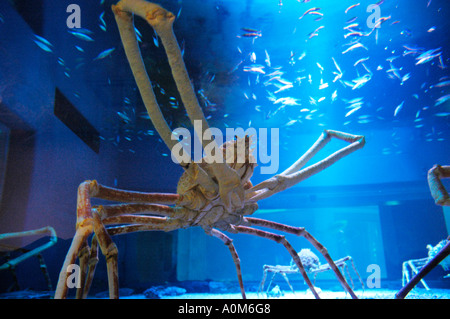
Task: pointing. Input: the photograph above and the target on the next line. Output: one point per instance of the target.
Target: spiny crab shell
(205, 208)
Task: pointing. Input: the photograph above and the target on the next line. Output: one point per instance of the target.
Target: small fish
(442, 100)
(308, 11)
(314, 33)
(250, 30)
(267, 60)
(124, 117)
(398, 108)
(359, 82)
(155, 41)
(352, 111)
(250, 33)
(406, 32)
(291, 122)
(334, 96)
(351, 7)
(43, 46)
(441, 84)
(354, 46)
(43, 40)
(320, 67)
(138, 34)
(81, 35)
(102, 24)
(254, 69)
(284, 88)
(431, 29)
(104, 54)
(360, 60)
(441, 63)
(323, 86)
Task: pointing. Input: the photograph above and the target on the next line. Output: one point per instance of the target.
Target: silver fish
(104, 54)
(81, 35)
(398, 108)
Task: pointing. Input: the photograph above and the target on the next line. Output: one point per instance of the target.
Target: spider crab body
(215, 194)
(204, 207)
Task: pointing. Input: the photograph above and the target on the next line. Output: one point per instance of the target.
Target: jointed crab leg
(89, 221)
(88, 270)
(281, 240)
(443, 253)
(442, 198)
(229, 243)
(437, 189)
(300, 231)
(230, 189)
(294, 174)
(48, 229)
(125, 23)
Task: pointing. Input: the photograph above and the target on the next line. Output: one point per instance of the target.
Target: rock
(158, 292)
(27, 294)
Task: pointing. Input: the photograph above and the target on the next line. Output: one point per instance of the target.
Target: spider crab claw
(269, 187)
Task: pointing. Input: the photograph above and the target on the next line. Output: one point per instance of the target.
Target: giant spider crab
(217, 196)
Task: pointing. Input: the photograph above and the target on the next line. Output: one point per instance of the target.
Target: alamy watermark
(210, 152)
(74, 19)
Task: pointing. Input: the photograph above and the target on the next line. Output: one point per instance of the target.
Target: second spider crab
(217, 196)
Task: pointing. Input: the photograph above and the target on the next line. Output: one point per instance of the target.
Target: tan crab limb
(78, 241)
(229, 243)
(300, 231)
(438, 191)
(441, 197)
(92, 263)
(83, 258)
(45, 230)
(128, 36)
(281, 240)
(294, 174)
(231, 190)
(123, 14)
(109, 250)
(85, 220)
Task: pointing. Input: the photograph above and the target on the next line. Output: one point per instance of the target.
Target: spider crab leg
(294, 174)
(441, 197)
(437, 189)
(300, 231)
(230, 189)
(229, 243)
(45, 230)
(281, 240)
(92, 220)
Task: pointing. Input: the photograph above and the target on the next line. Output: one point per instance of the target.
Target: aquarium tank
(114, 181)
